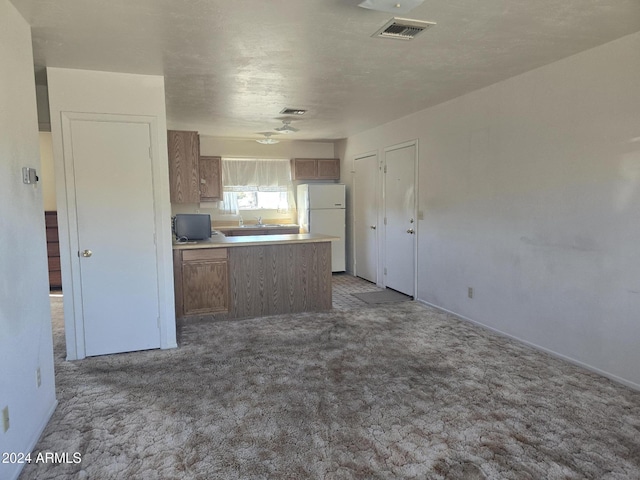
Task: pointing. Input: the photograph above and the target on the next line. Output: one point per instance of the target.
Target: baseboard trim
(33, 441)
(586, 366)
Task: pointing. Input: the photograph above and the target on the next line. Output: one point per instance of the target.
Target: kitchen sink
(265, 225)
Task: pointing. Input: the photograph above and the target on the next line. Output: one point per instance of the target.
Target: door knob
(411, 231)
(372, 227)
(86, 253)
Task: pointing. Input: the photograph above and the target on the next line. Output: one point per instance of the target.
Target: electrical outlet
(470, 292)
(5, 418)
(38, 377)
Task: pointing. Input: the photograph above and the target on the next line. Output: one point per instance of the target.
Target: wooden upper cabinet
(210, 179)
(184, 174)
(315, 169)
(304, 168)
(328, 168)
(53, 249)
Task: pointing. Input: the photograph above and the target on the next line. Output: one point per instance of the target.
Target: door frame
(354, 247)
(383, 252)
(68, 231)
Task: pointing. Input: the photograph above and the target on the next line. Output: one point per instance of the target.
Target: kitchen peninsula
(252, 276)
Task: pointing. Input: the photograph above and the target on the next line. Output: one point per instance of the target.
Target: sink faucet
(259, 220)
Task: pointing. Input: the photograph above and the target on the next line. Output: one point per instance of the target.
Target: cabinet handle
(411, 231)
(372, 227)
(86, 253)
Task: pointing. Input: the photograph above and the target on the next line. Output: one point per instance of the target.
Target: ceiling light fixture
(267, 140)
(286, 128)
(292, 111)
(391, 6)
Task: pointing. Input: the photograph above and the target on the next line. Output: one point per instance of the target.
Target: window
(257, 184)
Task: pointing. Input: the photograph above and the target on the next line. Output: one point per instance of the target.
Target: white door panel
(115, 222)
(331, 222)
(366, 217)
(399, 212)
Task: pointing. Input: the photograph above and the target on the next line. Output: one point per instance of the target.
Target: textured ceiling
(230, 67)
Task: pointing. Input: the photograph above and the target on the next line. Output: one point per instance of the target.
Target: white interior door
(365, 213)
(116, 235)
(400, 219)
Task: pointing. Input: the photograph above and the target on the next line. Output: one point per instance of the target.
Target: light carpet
(397, 391)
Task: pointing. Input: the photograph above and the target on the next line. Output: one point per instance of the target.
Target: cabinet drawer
(55, 279)
(204, 254)
(54, 264)
(53, 249)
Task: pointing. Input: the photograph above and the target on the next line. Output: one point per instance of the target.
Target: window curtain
(254, 174)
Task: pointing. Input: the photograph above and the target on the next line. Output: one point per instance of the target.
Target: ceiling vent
(293, 111)
(402, 29)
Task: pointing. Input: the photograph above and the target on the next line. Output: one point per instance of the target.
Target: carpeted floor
(384, 392)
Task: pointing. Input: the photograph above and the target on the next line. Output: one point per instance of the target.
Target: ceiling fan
(267, 140)
(286, 127)
(391, 6)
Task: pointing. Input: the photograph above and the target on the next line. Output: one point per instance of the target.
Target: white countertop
(220, 241)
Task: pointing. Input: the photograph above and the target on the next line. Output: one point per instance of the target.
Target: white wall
(234, 147)
(530, 191)
(25, 317)
(114, 93)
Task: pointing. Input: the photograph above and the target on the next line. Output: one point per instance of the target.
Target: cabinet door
(328, 169)
(286, 231)
(184, 175)
(53, 249)
(247, 232)
(210, 179)
(205, 287)
(304, 169)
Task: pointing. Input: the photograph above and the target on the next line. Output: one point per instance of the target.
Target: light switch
(29, 175)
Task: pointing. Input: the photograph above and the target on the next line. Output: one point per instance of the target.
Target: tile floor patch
(344, 285)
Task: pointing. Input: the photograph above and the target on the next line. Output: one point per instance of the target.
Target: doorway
(111, 218)
(365, 214)
(400, 217)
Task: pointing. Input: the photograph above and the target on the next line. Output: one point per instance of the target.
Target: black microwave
(192, 226)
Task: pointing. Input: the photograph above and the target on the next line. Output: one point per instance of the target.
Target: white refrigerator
(321, 209)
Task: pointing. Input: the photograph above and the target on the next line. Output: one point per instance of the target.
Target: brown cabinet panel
(204, 254)
(205, 287)
(315, 169)
(54, 264)
(184, 175)
(53, 249)
(286, 231)
(274, 279)
(245, 232)
(210, 179)
(201, 280)
(304, 168)
(55, 279)
(329, 169)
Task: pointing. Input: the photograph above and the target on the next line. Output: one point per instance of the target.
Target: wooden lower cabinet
(249, 281)
(201, 279)
(53, 249)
